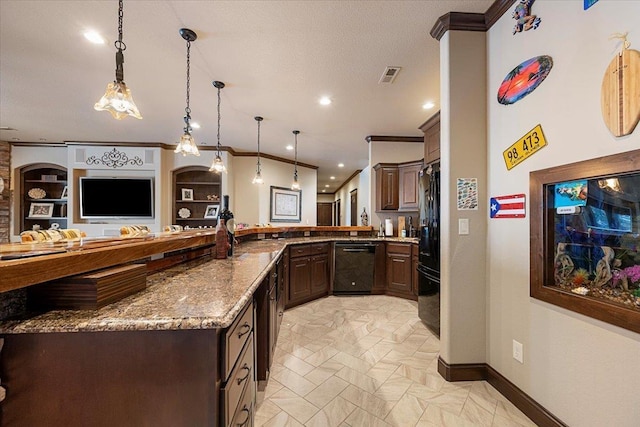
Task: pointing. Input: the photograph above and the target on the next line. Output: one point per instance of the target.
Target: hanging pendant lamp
(295, 185)
(258, 178)
(187, 144)
(117, 99)
(218, 166)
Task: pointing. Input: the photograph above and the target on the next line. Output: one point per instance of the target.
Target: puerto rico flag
(508, 206)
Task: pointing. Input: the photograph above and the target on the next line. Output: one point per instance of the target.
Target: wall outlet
(463, 226)
(518, 352)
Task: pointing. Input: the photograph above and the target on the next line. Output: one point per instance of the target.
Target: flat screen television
(116, 198)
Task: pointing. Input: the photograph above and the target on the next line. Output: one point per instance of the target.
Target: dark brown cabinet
(408, 176)
(308, 273)
(387, 187)
(399, 270)
(414, 269)
(195, 188)
(44, 196)
(431, 129)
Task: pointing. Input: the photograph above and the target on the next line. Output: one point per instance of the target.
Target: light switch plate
(463, 226)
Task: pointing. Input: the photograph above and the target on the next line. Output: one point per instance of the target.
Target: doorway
(354, 207)
(324, 213)
(336, 213)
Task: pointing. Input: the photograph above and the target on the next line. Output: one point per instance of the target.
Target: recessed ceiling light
(340, 165)
(324, 191)
(428, 105)
(326, 185)
(94, 37)
(325, 100)
(289, 147)
(332, 177)
(195, 125)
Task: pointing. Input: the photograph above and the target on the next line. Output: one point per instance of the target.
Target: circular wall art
(523, 79)
(184, 213)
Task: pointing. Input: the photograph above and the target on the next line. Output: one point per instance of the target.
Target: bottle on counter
(364, 217)
(222, 240)
(227, 216)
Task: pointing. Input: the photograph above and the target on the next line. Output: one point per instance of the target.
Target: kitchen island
(180, 352)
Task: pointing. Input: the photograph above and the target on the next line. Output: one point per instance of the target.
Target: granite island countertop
(202, 294)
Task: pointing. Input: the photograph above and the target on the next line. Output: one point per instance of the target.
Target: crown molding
(383, 138)
(353, 175)
(430, 122)
(463, 21)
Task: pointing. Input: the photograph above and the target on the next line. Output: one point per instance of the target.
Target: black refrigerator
(429, 248)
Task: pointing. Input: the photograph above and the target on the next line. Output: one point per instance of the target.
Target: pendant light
(187, 144)
(117, 98)
(218, 166)
(295, 185)
(258, 178)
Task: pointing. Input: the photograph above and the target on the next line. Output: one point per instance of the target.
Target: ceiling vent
(389, 75)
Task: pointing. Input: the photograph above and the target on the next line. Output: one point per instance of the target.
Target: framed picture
(212, 211)
(41, 210)
(187, 194)
(286, 205)
(65, 191)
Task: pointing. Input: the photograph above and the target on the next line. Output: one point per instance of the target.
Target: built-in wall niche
(43, 197)
(585, 238)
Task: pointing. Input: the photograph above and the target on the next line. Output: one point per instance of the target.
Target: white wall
(252, 201)
(580, 369)
(344, 194)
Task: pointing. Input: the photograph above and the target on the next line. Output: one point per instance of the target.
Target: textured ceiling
(277, 58)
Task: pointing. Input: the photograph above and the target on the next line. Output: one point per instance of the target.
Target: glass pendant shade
(118, 101)
(258, 178)
(117, 98)
(295, 185)
(187, 145)
(218, 165)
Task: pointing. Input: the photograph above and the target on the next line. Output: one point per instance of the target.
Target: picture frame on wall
(187, 194)
(41, 210)
(65, 193)
(212, 211)
(285, 205)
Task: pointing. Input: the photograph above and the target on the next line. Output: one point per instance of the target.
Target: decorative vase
(222, 240)
(364, 218)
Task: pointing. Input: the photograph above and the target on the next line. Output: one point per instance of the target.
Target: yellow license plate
(524, 147)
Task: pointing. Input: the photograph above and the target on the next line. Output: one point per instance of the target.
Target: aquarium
(585, 237)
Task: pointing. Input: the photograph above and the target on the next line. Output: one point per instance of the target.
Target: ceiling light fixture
(218, 166)
(289, 147)
(94, 37)
(187, 144)
(258, 178)
(117, 99)
(332, 177)
(325, 100)
(428, 105)
(340, 165)
(295, 185)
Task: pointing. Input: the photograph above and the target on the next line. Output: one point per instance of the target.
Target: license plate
(524, 147)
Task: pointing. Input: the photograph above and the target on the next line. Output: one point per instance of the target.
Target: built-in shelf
(200, 182)
(31, 177)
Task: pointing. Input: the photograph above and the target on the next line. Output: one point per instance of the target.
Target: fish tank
(585, 238)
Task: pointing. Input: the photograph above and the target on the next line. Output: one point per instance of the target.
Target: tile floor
(370, 361)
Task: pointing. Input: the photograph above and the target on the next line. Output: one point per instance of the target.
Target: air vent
(389, 75)
(7, 128)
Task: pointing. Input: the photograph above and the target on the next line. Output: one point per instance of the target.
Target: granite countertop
(201, 294)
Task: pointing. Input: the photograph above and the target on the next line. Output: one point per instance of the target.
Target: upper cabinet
(196, 197)
(408, 175)
(397, 186)
(387, 187)
(431, 129)
(43, 197)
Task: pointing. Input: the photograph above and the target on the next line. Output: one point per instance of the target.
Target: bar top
(201, 294)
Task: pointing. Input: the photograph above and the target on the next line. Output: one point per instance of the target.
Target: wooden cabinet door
(387, 187)
(414, 269)
(273, 323)
(408, 176)
(399, 270)
(432, 143)
(380, 270)
(319, 274)
(283, 283)
(299, 279)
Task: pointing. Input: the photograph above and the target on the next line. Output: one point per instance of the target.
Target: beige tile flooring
(369, 361)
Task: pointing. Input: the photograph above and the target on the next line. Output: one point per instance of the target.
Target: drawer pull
(245, 422)
(247, 328)
(246, 376)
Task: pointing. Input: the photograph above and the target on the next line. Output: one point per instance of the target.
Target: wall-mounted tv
(116, 198)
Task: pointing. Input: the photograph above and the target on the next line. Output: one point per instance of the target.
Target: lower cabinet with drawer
(308, 273)
(238, 370)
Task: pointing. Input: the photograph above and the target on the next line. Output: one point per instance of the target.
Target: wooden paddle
(620, 100)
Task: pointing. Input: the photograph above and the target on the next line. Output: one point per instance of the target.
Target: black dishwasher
(354, 271)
